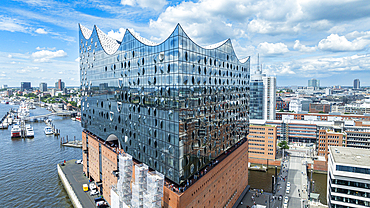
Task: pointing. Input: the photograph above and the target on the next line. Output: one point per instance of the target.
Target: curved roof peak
(141, 39)
(85, 31)
(109, 44)
(216, 45)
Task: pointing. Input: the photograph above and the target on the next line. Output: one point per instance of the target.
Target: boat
(16, 131)
(48, 130)
(4, 125)
(29, 131)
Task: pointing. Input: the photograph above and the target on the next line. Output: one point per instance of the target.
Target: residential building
(269, 97)
(26, 86)
(356, 84)
(176, 107)
(43, 87)
(314, 83)
(348, 177)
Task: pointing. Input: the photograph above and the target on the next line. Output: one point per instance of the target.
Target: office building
(4, 86)
(262, 96)
(59, 85)
(299, 105)
(26, 86)
(319, 108)
(356, 84)
(262, 141)
(348, 177)
(43, 87)
(256, 106)
(174, 106)
(314, 83)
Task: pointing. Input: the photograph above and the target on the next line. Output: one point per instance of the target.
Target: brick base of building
(264, 162)
(220, 187)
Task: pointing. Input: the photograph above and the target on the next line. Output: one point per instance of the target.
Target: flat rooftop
(351, 155)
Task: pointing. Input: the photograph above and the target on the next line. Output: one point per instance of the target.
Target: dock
(72, 177)
(77, 144)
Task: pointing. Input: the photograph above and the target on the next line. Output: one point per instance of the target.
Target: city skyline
(297, 43)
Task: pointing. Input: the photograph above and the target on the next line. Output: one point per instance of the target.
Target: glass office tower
(174, 106)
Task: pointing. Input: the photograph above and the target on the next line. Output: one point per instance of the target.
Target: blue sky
(297, 39)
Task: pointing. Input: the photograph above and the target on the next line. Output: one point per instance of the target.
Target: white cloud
(151, 4)
(38, 48)
(27, 69)
(303, 48)
(356, 34)
(272, 48)
(117, 35)
(334, 42)
(10, 56)
(12, 25)
(77, 59)
(41, 31)
(46, 55)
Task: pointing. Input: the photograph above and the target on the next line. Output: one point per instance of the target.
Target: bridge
(58, 113)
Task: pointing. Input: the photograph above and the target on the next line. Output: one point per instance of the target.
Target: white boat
(16, 131)
(29, 131)
(48, 130)
(4, 125)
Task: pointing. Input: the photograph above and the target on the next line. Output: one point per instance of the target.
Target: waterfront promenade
(73, 181)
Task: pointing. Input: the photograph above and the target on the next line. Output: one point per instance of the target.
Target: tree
(283, 145)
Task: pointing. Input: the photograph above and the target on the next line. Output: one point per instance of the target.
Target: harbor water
(28, 173)
(262, 180)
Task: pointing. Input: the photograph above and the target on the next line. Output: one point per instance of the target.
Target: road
(297, 177)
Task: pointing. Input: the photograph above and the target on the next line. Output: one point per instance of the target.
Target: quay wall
(76, 203)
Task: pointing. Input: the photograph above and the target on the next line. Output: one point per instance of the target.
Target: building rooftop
(350, 155)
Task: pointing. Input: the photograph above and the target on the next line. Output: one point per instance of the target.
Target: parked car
(85, 187)
(92, 186)
(94, 192)
(79, 161)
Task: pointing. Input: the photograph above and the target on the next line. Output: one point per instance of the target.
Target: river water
(28, 172)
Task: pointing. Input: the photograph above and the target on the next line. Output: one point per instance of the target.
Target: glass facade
(174, 106)
(256, 99)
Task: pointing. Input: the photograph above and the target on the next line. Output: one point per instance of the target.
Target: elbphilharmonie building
(175, 106)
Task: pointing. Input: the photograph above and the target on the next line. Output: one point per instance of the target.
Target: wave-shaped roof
(110, 45)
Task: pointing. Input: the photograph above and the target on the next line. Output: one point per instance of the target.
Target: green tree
(283, 145)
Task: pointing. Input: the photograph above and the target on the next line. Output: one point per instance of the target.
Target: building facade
(26, 86)
(59, 85)
(348, 177)
(262, 142)
(269, 97)
(174, 106)
(256, 106)
(314, 83)
(319, 108)
(356, 84)
(43, 87)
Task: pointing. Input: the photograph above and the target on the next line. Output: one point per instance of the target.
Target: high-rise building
(314, 83)
(256, 106)
(59, 85)
(348, 177)
(262, 96)
(269, 98)
(26, 86)
(356, 84)
(175, 106)
(4, 86)
(43, 87)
